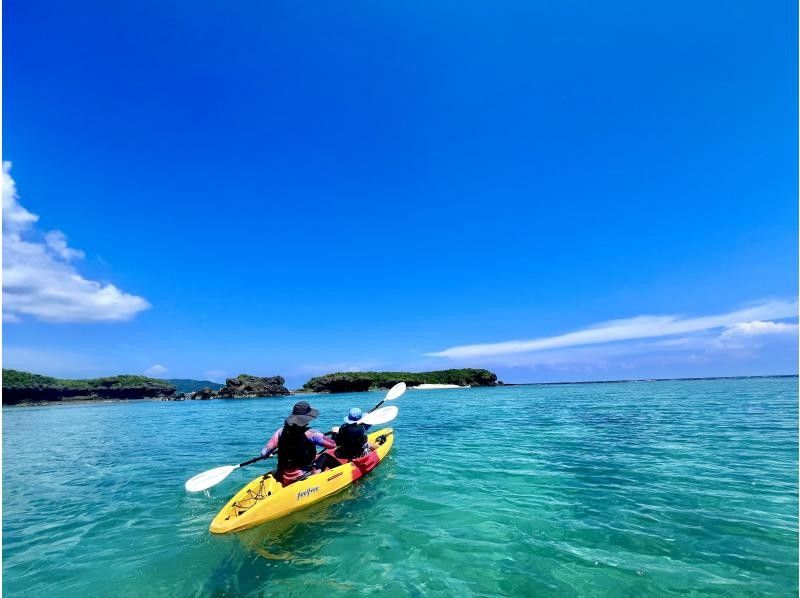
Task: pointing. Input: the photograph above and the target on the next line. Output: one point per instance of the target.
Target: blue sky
(297, 188)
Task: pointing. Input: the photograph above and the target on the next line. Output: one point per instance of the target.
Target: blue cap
(353, 416)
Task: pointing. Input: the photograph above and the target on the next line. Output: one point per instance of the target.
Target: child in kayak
(351, 442)
(296, 444)
(351, 437)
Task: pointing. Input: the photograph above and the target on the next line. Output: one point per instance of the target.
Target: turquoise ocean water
(628, 489)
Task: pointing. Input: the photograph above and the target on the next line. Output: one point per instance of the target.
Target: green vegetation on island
(24, 387)
(361, 381)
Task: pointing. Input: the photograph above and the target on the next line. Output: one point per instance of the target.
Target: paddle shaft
(251, 461)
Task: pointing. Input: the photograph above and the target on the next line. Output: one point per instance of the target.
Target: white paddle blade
(212, 477)
(395, 391)
(380, 416)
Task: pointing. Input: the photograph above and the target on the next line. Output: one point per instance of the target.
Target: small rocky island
(23, 387)
(362, 381)
(244, 386)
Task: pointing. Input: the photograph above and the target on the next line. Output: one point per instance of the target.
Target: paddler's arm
(319, 439)
(270, 447)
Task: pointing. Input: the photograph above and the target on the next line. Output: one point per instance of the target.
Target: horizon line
(679, 379)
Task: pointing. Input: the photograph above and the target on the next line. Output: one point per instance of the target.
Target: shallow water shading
(597, 489)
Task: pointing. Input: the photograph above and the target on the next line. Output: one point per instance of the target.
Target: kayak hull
(265, 499)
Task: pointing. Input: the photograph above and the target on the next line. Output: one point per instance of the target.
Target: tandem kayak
(265, 499)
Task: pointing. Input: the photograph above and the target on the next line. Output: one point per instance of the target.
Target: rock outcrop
(245, 385)
(203, 394)
(189, 385)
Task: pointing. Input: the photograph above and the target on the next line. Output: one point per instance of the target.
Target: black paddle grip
(251, 461)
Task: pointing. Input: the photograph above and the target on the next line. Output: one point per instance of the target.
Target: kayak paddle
(381, 416)
(212, 477)
(394, 393)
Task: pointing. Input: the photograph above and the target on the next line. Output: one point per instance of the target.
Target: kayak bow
(265, 499)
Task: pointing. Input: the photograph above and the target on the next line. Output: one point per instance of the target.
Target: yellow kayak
(265, 499)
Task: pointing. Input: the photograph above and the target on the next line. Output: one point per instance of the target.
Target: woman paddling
(296, 444)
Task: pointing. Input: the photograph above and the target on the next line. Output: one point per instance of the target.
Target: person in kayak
(351, 437)
(296, 444)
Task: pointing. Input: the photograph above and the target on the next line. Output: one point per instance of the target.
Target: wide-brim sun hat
(302, 413)
(354, 415)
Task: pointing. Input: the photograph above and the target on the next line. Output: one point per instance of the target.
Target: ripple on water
(667, 488)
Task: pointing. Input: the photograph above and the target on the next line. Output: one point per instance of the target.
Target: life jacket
(295, 451)
(351, 440)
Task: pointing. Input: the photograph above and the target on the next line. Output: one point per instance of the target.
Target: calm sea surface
(623, 489)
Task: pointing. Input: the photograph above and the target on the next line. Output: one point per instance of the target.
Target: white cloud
(639, 327)
(750, 334)
(15, 217)
(597, 357)
(155, 370)
(39, 279)
(57, 243)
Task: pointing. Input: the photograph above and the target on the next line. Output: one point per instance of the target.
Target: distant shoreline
(24, 388)
(652, 380)
(306, 392)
